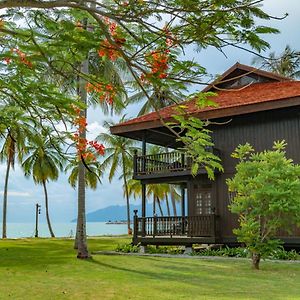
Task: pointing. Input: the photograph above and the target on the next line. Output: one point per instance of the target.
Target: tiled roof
(250, 95)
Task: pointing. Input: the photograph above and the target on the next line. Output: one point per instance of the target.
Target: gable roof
(253, 98)
(238, 71)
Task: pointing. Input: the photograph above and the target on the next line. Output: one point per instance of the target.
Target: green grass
(48, 269)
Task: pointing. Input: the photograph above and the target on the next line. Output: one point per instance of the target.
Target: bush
(285, 255)
(227, 251)
(165, 249)
(128, 248)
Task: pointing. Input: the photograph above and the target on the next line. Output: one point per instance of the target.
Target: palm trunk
(4, 236)
(173, 204)
(82, 248)
(159, 206)
(129, 230)
(47, 209)
(168, 206)
(154, 206)
(76, 238)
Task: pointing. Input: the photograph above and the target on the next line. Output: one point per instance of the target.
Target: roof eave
(212, 114)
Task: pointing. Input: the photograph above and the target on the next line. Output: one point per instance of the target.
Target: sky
(23, 193)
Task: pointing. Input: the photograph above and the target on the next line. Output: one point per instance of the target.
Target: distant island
(114, 213)
(117, 213)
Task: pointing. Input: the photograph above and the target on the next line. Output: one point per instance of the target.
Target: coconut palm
(119, 156)
(92, 175)
(158, 98)
(156, 191)
(286, 64)
(43, 163)
(14, 145)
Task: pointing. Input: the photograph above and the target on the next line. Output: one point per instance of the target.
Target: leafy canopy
(266, 196)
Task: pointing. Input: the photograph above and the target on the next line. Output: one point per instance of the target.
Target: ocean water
(21, 230)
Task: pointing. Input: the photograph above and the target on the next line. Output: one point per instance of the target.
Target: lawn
(48, 269)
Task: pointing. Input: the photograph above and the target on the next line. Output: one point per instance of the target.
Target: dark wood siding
(260, 130)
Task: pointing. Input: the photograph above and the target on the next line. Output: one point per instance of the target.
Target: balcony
(169, 164)
(175, 230)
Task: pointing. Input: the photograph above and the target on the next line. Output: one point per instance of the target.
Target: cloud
(16, 194)
(94, 129)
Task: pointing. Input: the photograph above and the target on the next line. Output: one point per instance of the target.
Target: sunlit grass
(48, 269)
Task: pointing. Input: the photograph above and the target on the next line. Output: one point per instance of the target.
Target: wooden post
(144, 151)
(213, 225)
(183, 161)
(37, 212)
(183, 209)
(144, 209)
(154, 225)
(135, 168)
(135, 225)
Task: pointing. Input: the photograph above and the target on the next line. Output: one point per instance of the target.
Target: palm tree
(43, 163)
(92, 178)
(286, 64)
(119, 154)
(156, 191)
(14, 145)
(92, 175)
(158, 98)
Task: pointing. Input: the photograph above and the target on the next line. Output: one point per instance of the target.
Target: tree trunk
(4, 236)
(168, 206)
(47, 209)
(159, 206)
(76, 238)
(173, 205)
(82, 248)
(154, 206)
(129, 230)
(255, 260)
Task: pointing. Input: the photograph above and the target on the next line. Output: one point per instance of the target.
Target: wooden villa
(256, 107)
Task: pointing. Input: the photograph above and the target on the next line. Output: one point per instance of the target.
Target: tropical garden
(61, 59)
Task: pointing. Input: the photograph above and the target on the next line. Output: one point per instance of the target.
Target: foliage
(127, 248)
(286, 64)
(283, 254)
(43, 161)
(197, 137)
(165, 249)
(93, 174)
(266, 196)
(226, 251)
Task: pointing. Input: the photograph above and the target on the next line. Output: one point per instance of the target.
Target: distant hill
(118, 213)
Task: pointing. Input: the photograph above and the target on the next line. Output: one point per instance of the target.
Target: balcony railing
(163, 163)
(190, 226)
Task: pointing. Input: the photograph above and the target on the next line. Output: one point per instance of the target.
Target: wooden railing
(191, 226)
(163, 163)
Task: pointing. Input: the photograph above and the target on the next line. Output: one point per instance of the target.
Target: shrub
(128, 248)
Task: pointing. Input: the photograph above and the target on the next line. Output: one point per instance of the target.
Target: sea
(23, 230)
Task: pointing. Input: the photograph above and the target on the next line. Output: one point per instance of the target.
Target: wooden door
(203, 202)
(201, 199)
(201, 208)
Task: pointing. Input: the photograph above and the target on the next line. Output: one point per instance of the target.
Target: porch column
(144, 209)
(183, 223)
(144, 150)
(144, 143)
(182, 201)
